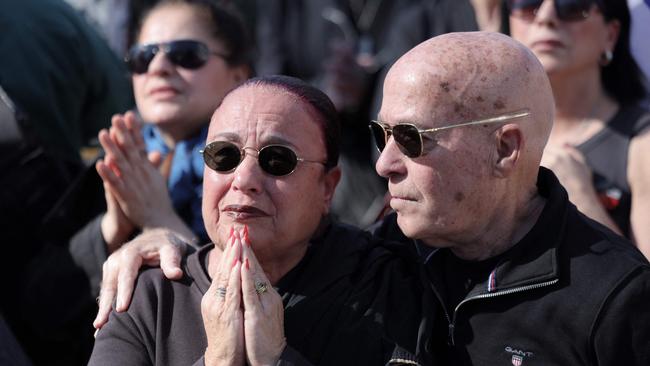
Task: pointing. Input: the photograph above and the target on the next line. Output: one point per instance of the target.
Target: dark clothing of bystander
(607, 155)
(64, 84)
(300, 38)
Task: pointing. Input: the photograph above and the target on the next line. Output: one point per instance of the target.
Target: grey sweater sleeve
(88, 250)
(120, 342)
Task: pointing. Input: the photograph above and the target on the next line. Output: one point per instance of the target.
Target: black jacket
(569, 293)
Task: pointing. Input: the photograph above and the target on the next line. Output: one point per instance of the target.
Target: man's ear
(509, 145)
(330, 181)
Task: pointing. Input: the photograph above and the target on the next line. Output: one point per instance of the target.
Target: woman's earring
(606, 58)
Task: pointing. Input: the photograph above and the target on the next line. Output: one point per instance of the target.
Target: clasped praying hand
(242, 313)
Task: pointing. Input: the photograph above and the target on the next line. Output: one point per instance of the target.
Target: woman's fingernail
(234, 263)
(246, 232)
(231, 232)
(246, 264)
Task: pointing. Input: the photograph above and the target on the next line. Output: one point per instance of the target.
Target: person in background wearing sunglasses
(600, 144)
(278, 284)
(516, 274)
(189, 54)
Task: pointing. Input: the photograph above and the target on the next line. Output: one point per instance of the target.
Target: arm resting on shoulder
(88, 250)
(155, 247)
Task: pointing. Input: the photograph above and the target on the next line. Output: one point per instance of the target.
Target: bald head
(475, 75)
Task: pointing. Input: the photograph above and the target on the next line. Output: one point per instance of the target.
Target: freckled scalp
(478, 74)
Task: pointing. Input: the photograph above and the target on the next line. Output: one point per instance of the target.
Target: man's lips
(402, 198)
(242, 212)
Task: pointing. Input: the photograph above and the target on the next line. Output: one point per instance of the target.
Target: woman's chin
(552, 64)
(165, 120)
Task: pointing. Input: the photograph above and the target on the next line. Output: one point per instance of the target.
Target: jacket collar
(534, 259)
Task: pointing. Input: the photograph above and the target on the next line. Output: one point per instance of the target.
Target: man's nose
(391, 160)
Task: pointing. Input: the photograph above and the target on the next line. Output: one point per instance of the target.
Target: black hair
(226, 23)
(328, 118)
(622, 78)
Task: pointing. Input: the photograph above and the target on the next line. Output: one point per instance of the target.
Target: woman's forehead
(266, 113)
(263, 103)
(173, 21)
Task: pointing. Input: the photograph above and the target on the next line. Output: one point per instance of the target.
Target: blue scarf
(185, 182)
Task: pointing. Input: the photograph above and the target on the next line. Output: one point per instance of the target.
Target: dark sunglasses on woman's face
(187, 54)
(409, 138)
(275, 160)
(566, 10)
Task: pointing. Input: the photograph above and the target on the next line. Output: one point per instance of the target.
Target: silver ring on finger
(261, 287)
(221, 292)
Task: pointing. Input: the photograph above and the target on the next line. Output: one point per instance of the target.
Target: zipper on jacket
(450, 335)
(450, 332)
(452, 323)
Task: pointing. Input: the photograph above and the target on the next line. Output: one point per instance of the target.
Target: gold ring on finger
(261, 287)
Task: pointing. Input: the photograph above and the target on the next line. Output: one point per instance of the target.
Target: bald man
(521, 277)
(517, 275)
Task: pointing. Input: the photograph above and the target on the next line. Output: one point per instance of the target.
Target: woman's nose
(249, 177)
(546, 13)
(160, 64)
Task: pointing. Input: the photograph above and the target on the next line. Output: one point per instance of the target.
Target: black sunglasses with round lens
(409, 137)
(188, 54)
(275, 160)
(566, 10)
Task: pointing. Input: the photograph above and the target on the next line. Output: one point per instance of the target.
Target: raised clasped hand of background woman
(242, 313)
(571, 168)
(132, 178)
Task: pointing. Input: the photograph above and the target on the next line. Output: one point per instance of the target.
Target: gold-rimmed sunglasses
(409, 137)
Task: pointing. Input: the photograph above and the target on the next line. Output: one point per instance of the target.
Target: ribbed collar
(534, 259)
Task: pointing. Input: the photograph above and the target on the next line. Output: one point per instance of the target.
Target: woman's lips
(547, 44)
(243, 212)
(163, 91)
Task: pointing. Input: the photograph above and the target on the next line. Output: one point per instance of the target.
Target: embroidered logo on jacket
(518, 356)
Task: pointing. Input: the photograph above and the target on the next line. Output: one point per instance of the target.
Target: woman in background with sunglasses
(189, 54)
(600, 144)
